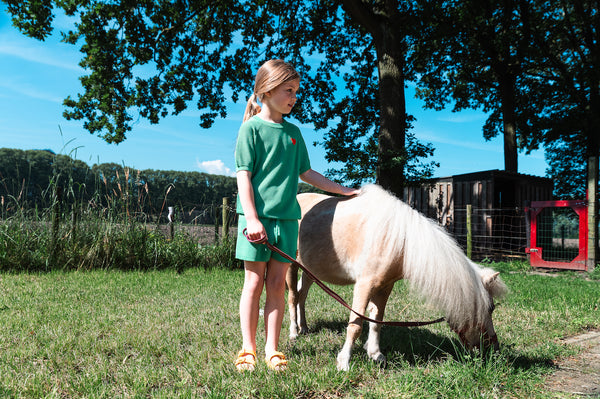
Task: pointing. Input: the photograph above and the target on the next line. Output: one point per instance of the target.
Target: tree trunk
(510, 147)
(507, 92)
(389, 42)
(392, 123)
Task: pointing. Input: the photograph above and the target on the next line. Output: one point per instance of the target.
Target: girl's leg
(274, 303)
(250, 302)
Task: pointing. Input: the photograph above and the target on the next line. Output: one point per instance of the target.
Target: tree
(566, 86)
(567, 167)
(154, 57)
(534, 64)
(472, 53)
(29, 177)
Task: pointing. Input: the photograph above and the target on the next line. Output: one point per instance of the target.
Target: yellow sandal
(244, 362)
(276, 361)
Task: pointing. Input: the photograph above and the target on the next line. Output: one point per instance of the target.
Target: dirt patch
(580, 374)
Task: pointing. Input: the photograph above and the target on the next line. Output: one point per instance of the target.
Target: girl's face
(281, 99)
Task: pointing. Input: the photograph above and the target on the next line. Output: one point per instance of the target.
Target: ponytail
(252, 108)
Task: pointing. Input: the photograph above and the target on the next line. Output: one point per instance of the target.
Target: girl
(270, 155)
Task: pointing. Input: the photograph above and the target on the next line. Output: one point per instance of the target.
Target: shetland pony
(373, 240)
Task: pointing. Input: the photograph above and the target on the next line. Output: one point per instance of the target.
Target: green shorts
(281, 233)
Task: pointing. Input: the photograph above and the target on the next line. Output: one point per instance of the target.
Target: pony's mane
(433, 263)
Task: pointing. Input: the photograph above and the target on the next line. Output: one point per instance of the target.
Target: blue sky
(36, 76)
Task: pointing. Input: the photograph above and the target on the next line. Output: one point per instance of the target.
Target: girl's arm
(254, 229)
(319, 181)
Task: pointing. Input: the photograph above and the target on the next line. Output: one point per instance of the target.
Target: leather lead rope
(338, 298)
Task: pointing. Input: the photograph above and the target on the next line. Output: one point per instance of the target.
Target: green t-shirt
(275, 154)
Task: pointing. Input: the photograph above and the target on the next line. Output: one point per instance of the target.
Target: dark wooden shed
(497, 198)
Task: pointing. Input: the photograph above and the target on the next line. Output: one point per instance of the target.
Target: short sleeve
(303, 159)
(244, 149)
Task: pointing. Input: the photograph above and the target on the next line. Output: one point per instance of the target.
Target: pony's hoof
(341, 367)
(343, 363)
(380, 360)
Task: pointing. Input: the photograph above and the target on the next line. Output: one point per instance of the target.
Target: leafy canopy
(152, 58)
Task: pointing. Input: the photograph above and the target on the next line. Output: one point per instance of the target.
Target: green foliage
(25, 177)
(567, 168)
(154, 59)
(530, 65)
(67, 216)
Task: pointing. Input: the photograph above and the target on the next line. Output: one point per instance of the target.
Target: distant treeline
(33, 179)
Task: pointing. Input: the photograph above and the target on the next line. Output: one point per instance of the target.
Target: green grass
(164, 334)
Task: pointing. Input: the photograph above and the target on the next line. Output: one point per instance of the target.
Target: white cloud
(216, 167)
(479, 145)
(39, 55)
(29, 91)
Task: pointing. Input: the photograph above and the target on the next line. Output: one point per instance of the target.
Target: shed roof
(493, 174)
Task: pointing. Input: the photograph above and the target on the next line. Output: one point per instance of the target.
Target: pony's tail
(252, 107)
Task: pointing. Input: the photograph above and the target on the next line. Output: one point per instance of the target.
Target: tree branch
(362, 14)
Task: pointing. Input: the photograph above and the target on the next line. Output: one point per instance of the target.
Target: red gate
(536, 246)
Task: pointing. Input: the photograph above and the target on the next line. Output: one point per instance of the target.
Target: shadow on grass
(415, 346)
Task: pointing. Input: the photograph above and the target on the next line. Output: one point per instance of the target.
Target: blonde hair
(270, 75)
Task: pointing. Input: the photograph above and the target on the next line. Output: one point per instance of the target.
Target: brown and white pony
(372, 241)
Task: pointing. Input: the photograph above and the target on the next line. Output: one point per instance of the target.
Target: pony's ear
(490, 279)
(493, 284)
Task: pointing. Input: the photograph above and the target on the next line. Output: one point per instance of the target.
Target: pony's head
(481, 334)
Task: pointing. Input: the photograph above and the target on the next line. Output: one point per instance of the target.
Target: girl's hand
(255, 231)
(350, 191)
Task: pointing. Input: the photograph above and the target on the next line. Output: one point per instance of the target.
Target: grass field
(163, 334)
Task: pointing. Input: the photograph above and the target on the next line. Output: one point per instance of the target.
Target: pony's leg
(377, 310)
(303, 287)
(362, 292)
(291, 280)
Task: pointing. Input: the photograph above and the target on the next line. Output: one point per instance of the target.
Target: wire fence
(495, 234)
(484, 234)
(558, 234)
(205, 223)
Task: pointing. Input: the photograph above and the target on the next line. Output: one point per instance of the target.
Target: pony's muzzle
(483, 340)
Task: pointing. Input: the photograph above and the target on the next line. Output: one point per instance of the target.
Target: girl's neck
(267, 115)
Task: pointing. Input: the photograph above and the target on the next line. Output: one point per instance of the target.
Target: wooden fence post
(526, 207)
(469, 231)
(225, 217)
(216, 219)
(55, 223)
(592, 194)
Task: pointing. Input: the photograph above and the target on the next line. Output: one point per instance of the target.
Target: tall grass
(112, 231)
